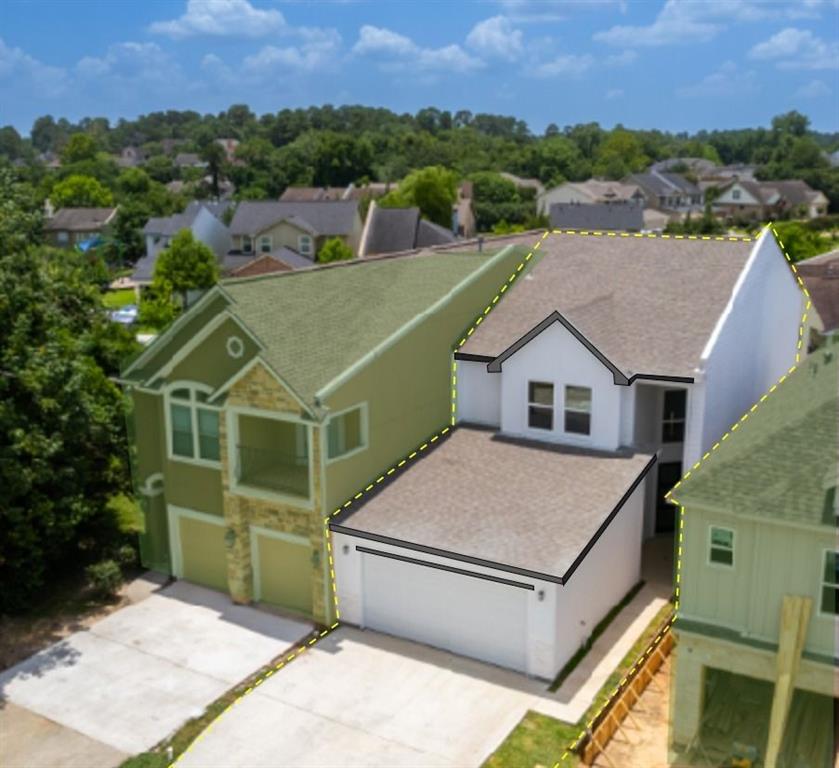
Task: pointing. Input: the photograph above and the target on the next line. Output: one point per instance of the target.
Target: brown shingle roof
(79, 219)
(821, 276)
(262, 265)
(529, 506)
(648, 304)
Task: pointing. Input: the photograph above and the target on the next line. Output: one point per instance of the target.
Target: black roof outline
(494, 364)
(451, 555)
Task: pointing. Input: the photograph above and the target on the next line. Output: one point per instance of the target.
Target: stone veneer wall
(260, 389)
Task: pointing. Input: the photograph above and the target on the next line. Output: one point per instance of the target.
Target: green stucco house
(275, 398)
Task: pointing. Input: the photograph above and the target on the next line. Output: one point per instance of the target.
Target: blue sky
(672, 65)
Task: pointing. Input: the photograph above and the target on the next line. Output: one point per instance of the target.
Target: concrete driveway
(133, 678)
(359, 698)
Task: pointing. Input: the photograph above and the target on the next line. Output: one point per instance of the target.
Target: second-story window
(194, 426)
(247, 244)
(673, 418)
(265, 244)
(540, 405)
(720, 546)
(830, 584)
(304, 245)
(578, 410)
(735, 194)
(345, 433)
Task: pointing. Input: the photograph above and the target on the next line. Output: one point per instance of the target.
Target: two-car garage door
(448, 609)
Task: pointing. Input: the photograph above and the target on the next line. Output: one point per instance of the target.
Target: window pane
(180, 394)
(578, 398)
(540, 417)
(674, 403)
(831, 562)
(344, 433)
(181, 430)
(208, 443)
(673, 432)
(577, 422)
(830, 600)
(720, 537)
(541, 393)
(722, 556)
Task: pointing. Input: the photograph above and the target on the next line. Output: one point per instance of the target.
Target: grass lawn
(117, 299)
(539, 741)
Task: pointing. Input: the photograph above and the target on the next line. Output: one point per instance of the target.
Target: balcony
(273, 456)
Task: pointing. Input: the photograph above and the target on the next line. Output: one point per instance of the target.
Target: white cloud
(18, 65)
(727, 80)
(816, 89)
(400, 52)
(686, 21)
(221, 18)
(317, 54)
(621, 59)
(130, 60)
(568, 64)
(614, 93)
(794, 48)
(496, 37)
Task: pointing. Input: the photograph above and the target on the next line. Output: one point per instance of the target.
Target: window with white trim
(829, 598)
(62, 236)
(735, 194)
(247, 244)
(194, 426)
(345, 433)
(673, 417)
(578, 410)
(265, 244)
(304, 245)
(721, 546)
(540, 405)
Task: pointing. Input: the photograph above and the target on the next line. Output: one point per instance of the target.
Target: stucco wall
(611, 568)
(478, 394)
(755, 342)
(556, 356)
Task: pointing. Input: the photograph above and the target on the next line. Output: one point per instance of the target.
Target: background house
(668, 191)
(69, 227)
(767, 199)
(597, 216)
(388, 230)
(300, 228)
(203, 219)
(757, 649)
(591, 191)
(821, 277)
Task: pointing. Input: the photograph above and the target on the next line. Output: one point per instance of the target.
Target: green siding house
(275, 398)
(756, 660)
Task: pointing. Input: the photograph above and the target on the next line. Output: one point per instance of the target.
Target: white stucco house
(609, 368)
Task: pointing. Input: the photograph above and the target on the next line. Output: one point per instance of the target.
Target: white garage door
(464, 614)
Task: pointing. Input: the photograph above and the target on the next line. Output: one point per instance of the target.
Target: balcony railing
(272, 469)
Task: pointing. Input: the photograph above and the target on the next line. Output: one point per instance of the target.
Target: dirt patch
(72, 607)
(641, 742)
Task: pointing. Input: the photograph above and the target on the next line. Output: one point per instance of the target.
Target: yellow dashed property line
(653, 235)
(705, 457)
(251, 688)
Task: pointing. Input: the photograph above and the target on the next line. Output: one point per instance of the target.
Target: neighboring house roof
(790, 192)
(649, 305)
(522, 183)
(531, 506)
(316, 323)
(821, 277)
(388, 230)
(262, 265)
(698, 165)
(310, 194)
(662, 184)
(599, 191)
(79, 219)
(333, 217)
(782, 462)
(601, 216)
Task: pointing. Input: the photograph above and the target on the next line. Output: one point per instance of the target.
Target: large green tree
(186, 265)
(21, 222)
(63, 453)
(80, 192)
(433, 190)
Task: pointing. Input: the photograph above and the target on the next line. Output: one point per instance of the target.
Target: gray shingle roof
(528, 505)
(333, 217)
(664, 184)
(79, 219)
(429, 233)
(400, 229)
(171, 225)
(648, 304)
(821, 276)
(612, 217)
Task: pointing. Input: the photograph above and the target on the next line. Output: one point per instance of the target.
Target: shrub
(126, 555)
(105, 577)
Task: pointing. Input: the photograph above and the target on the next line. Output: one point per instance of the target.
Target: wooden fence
(610, 718)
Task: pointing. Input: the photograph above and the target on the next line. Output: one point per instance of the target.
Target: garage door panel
(464, 614)
(203, 554)
(285, 573)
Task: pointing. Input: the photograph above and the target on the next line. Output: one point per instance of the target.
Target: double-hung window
(247, 244)
(673, 418)
(720, 546)
(304, 245)
(265, 244)
(829, 598)
(345, 433)
(194, 426)
(578, 410)
(540, 405)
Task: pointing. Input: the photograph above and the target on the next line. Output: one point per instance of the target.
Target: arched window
(193, 424)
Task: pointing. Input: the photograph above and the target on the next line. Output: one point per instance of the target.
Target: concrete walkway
(136, 676)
